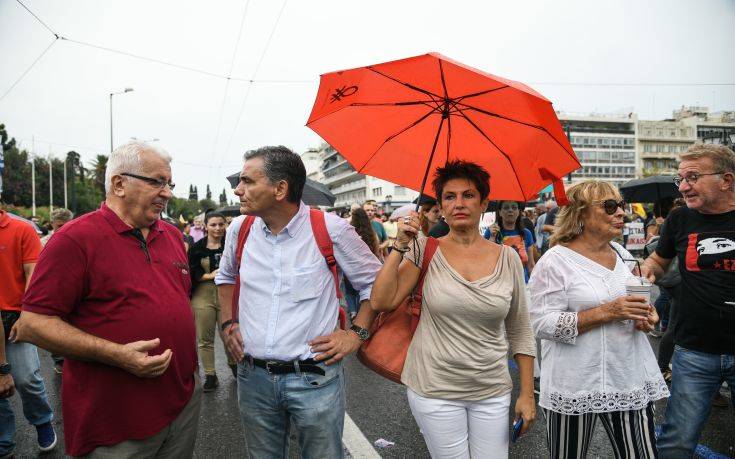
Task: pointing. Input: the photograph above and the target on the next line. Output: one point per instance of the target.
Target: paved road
(378, 407)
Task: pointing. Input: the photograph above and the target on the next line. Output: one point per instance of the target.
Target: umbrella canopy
(401, 120)
(314, 194)
(650, 189)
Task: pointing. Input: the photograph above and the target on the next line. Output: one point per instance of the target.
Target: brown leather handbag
(385, 351)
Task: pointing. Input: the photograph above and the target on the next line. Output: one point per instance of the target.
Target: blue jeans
(696, 377)
(352, 297)
(26, 371)
(270, 404)
(662, 307)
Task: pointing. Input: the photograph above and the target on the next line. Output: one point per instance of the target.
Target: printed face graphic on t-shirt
(714, 245)
(711, 251)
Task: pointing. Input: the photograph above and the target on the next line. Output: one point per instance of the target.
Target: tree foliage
(85, 185)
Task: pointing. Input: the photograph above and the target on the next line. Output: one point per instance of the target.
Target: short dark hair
(210, 215)
(280, 163)
(459, 169)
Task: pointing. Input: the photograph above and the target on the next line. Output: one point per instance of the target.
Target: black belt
(280, 367)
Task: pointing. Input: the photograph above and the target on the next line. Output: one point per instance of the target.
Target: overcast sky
(584, 56)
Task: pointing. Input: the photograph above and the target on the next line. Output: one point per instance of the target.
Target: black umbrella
(650, 189)
(229, 211)
(314, 194)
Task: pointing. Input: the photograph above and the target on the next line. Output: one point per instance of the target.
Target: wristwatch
(362, 333)
(5, 368)
(227, 323)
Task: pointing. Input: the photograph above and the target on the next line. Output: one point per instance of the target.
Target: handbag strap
(431, 245)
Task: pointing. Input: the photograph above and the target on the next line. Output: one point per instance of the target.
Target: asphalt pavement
(377, 406)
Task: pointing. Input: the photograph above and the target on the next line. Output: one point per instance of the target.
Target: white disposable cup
(639, 286)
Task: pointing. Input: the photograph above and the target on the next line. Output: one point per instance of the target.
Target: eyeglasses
(692, 178)
(611, 205)
(160, 184)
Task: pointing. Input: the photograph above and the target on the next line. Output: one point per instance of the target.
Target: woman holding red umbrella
(474, 309)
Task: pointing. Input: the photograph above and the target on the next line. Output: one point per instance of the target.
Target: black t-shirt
(705, 247)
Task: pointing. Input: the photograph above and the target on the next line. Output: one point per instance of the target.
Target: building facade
(717, 128)
(659, 145)
(351, 187)
(604, 144)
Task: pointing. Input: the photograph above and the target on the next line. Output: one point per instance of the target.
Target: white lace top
(608, 368)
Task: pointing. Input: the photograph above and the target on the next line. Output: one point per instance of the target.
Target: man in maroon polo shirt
(111, 294)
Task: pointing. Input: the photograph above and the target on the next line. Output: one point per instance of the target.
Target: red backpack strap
(326, 247)
(321, 236)
(242, 237)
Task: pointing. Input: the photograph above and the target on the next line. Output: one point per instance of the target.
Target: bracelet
(400, 250)
(227, 323)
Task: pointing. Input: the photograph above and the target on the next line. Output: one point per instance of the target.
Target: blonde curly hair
(581, 195)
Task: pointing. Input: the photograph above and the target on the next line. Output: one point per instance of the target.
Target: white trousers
(460, 429)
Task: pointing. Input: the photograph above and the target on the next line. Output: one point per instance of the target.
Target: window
(647, 148)
(400, 191)
(378, 191)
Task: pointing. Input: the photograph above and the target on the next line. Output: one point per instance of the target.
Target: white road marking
(355, 441)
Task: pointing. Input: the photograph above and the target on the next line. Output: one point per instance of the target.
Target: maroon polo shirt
(95, 275)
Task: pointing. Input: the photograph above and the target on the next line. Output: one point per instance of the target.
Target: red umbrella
(402, 119)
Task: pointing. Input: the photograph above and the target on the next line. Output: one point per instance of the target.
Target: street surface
(378, 407)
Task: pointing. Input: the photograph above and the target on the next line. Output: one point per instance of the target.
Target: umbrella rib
(388, 139)
(482, 133)
(408, 85)
(449, 135)
(459, 99)
(444, 83)
(540, 128)
(495, 115)
(391, 104)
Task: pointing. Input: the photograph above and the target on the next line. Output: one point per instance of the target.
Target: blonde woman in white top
(596, 360)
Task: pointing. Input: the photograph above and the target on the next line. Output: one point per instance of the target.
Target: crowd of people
(132, 305)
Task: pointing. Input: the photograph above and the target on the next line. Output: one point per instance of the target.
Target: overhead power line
(39, 19)
(33, 64)
(227, 84)
(255, 73)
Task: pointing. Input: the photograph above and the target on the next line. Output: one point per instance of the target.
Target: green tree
(208, 195)
(223, 198)
(99, 165)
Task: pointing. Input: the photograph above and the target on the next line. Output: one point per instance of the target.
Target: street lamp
(112, 94)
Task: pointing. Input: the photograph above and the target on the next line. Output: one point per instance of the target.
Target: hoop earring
(581, 228)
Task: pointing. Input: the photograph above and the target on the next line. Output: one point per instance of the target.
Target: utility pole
(33, 175)
(65, 203)
(50, 183)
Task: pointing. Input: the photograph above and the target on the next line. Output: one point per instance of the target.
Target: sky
(606, 56)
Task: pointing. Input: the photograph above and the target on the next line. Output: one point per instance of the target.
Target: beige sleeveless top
(460, 348)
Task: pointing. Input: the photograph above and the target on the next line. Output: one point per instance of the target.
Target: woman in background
(364, 229)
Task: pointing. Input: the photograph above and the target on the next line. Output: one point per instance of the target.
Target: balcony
(349, 186)
(339, 178)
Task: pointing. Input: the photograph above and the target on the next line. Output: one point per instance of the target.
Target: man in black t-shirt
(702, 237)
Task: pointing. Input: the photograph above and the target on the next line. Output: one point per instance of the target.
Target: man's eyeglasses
(692, 178)
(158, 183)
(611, 205)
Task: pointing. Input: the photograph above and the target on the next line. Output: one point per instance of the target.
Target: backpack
(323, 241)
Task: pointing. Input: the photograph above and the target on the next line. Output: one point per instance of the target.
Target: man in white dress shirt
(286, 337)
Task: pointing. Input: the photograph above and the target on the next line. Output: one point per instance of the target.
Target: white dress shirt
(287, 292)
(608, 368)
